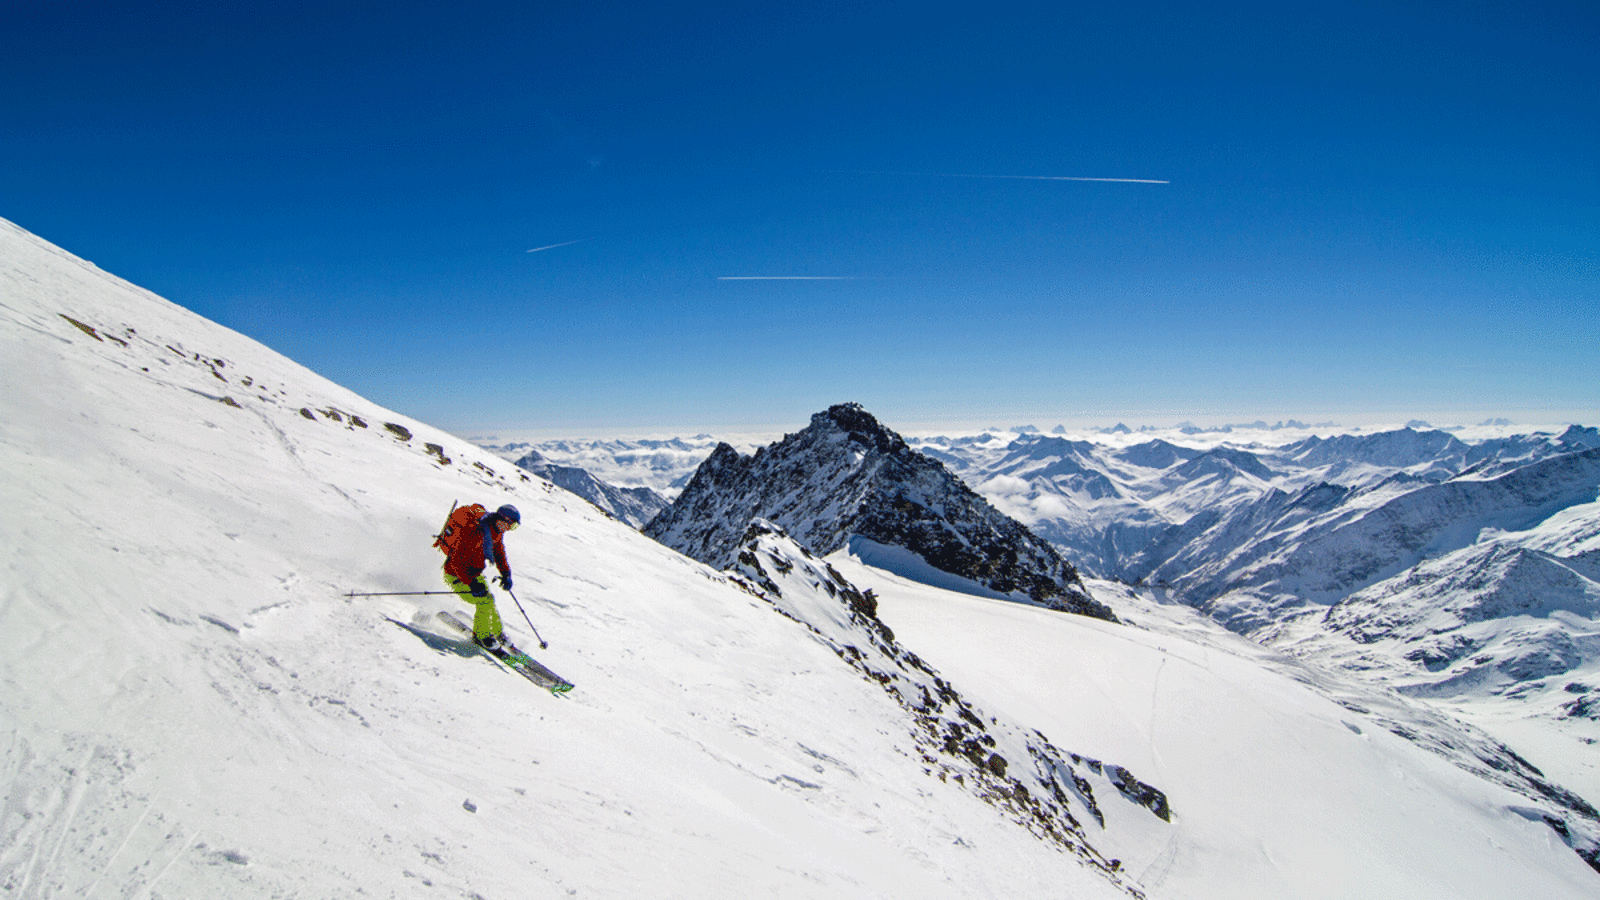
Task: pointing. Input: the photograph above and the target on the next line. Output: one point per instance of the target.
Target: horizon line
(919, 428)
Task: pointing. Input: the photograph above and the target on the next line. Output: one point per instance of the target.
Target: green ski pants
(486, 621)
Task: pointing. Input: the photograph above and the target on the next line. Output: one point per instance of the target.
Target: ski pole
(395, 593)
(542, 644)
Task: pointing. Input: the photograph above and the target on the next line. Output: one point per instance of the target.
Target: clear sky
(588, 217)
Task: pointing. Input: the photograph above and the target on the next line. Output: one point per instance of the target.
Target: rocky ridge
(1013, 768)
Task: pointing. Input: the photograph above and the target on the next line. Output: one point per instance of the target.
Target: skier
(473, 538)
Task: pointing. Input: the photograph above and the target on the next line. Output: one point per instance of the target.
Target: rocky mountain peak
(862, 428)
(847, 478)
(1577, 437)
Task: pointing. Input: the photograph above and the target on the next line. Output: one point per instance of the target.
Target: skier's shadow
(438, 643)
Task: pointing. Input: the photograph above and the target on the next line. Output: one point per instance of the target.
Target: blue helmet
(509, 514)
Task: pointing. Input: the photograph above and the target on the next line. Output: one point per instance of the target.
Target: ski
(514, 659)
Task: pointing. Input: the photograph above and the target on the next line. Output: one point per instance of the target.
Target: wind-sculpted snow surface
(846, 476)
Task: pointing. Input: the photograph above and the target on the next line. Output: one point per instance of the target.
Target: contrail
(1015, 177)
(553, 246)
(1064, 178)
(786, 277)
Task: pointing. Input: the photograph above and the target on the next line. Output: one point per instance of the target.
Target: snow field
(191, 707)
(1276, 790)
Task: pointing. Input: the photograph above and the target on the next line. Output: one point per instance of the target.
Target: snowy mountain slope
(1482, 583)
(1254, 555)
(1458, 573)
(847, 477)
(1115, 498)
(191, 706)
(1504, 632)
(1050, 792)
(1472, 591)
(1407, 448)
(1433, 531)
(1284, 780)
(1104, 508)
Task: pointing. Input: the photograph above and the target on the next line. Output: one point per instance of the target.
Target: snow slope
(1283, 783)
(191, 705)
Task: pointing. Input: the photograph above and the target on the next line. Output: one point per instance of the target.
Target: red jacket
(475, 549)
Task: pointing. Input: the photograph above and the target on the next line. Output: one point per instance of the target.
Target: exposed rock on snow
(1011, 767)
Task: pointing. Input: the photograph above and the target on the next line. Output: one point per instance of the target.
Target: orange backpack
(460, 521)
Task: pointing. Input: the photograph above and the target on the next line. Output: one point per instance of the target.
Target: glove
(479, 589)
(505, 582)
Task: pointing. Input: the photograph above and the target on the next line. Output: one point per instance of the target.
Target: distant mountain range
(1445, 567)
(633, 505)
(664, 466)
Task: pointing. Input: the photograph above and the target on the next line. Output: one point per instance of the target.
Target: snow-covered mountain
(1447, 612)
(633, 505)
(846, 479)
(1454, 571)
(1204, 682)
(1267, 538)
(1122, 511)
(1326, 541)
(193, 703)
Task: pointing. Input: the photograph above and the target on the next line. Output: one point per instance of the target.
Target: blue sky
(1372, 211)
